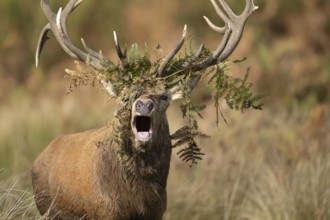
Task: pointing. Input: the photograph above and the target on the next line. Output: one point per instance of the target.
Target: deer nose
(144, 107)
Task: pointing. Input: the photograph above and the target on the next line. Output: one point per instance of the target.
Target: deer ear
(175, 91)
(177, 95)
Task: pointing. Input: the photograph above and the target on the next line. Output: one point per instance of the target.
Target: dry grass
(263, 166)
(16, 203)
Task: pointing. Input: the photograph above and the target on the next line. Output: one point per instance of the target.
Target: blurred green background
(269, 164)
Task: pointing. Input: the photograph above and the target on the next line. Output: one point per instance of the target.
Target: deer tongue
(144, 134)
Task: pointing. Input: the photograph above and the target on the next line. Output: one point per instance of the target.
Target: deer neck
(144, 165)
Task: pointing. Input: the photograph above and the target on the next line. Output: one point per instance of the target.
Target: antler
(232, 33)
(57, 24)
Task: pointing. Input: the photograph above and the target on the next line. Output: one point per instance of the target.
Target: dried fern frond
(187, 135)
(80, 77)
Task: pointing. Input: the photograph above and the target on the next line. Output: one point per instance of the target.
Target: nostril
(138, 105)
(150, 106)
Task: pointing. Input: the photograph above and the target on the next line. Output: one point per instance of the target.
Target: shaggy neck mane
(139, 176)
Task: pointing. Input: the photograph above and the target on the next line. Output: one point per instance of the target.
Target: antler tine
(219, 11)
(70, 8)
(225, 15)
(88, 50)
(226, 9)
(223, 43)
(57, 24)
(93, 53)
(214, 27)
(120, 53)
(169, 57)
(194, 57)
(250, 7)
(41, 42)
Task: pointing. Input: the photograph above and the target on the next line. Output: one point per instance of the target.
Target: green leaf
(135, 54)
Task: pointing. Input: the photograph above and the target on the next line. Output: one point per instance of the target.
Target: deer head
(146, 112)
(171, 79)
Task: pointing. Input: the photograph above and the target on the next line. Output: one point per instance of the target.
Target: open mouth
(142, 128)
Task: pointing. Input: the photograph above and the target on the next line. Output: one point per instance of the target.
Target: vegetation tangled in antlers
(137, 75)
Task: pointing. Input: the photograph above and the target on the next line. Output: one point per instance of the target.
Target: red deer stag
(82, 175)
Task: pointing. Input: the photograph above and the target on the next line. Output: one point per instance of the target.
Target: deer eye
(164, 97)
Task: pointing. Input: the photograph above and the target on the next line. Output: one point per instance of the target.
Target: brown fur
(82, 176)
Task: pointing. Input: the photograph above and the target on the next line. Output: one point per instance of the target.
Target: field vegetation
(272, 164)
